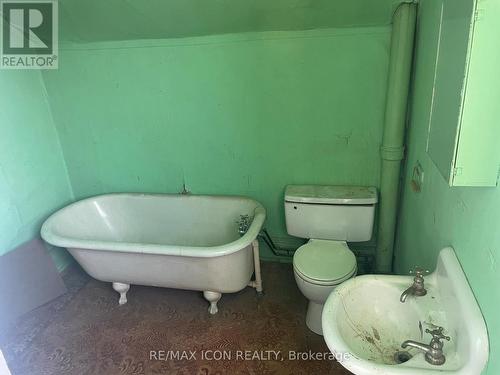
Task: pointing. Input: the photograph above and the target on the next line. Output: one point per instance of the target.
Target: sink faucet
(417, 288)
(434, 351)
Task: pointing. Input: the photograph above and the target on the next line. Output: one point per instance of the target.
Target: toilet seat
(324, 262)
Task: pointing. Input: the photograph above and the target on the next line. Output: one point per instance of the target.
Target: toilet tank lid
(331, 194)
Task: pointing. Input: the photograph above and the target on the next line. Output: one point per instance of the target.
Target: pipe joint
(395, 153)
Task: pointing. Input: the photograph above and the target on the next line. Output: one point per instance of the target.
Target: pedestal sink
(364, 323)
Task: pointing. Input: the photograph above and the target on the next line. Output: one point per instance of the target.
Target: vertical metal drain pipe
(392, 150)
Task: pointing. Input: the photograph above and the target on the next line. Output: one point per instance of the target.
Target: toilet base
(313, 317)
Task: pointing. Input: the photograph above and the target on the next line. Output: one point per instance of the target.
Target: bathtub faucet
(243, 224)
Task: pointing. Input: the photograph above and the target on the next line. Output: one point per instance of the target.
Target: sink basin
(364, 323)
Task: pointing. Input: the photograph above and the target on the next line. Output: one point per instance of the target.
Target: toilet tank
(341, 213)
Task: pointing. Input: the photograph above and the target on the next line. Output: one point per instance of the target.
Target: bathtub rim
(145, 248)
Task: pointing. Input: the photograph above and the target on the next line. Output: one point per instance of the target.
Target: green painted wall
(112, 20)
(466, 218)
(236, 114)
(33, 178)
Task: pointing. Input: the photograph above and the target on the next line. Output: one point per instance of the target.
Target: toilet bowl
(319, 266)
(329, 216)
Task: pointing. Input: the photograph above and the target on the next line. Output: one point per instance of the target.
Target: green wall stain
(33, 178)
(242, 114)
(465, 218)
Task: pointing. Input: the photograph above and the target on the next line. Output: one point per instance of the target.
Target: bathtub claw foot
(213, 298)
(122, 289)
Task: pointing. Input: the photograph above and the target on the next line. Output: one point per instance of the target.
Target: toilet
(328, 216)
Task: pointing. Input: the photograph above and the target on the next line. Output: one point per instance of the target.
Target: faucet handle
(243, 219)
(437, 333)
(419, 272)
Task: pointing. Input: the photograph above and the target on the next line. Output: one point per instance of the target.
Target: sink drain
(402, 356)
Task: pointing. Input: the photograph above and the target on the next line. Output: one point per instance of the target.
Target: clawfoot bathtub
(173, 241)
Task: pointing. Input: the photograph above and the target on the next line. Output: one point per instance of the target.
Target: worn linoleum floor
(86, 332)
